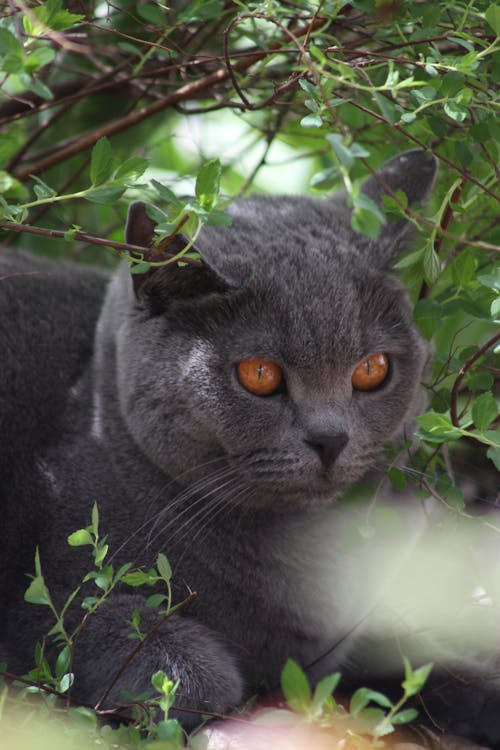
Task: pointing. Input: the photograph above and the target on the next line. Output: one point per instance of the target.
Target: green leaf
(37, 592)
(308, 87)
(139, 268)
(484, 411)
(397, 478)
(41, 89)
(415, 680)
(155, 600)
(166, 193)
(452, 83)
(202, 10)
(131, 169)
(480, 380)
(163, 566)
(428, 316)
(62, 661)
(492, 15)
(100, 553)
(208, 183)
(106, 195)
(80, 538)
(66, 682)
(295, 687)
(102, 162)
(217, 218)
(312, 121)
(404, 717)
(95, 519)
(363, 696)
(365, 222)
(437, 428)
(342, 152)
(441, 400)
(463, 269)
(324, 690)
(42, 190)
(151, 13)
(456, 111)
(432, 264)
(141, 578)
(494, 455)
(325, 179)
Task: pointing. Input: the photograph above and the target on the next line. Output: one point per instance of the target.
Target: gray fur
(151, 422)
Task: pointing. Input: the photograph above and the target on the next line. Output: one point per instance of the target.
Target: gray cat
(216, 414)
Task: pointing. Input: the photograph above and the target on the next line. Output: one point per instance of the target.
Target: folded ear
(161, 284)
(414, 173)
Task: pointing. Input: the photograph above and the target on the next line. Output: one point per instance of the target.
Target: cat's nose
(328, 446)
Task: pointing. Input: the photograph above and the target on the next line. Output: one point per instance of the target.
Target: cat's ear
(161, 284)
(139, 229)
(414, 173)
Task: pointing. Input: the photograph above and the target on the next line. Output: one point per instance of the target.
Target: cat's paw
(187, 651)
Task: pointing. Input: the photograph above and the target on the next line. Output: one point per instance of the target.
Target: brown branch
(133, 250)
(461, 374)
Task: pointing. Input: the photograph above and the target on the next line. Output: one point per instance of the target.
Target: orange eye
(259, 376)
(371, 372)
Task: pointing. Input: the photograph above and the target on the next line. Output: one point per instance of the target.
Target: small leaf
(95, 519)
(62, 661)
(131, 169)
(484, 411)
(141, 578)
(80, 538)
(456, 111)
(151, 13)
(432, 264)
(102, 162)
(492, 15)
(163, 566)
(295, 687)
(66, 682)
(312, 121)
(100, 553)
(37, 592)
(415, 680)
(166, 193)
(342, 152)
(208, 183)
(363, 696)
(428, 316)
(324, 690)
(217, 218)
(494, 455)
(155, 600)
(397, 478)
(437, 428)
(106, 195)
(142, 267)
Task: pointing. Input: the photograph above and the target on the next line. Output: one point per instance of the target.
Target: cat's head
(274, 373)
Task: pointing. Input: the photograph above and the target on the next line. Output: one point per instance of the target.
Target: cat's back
(48, 313)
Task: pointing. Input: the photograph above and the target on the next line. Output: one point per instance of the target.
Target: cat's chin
(293, 499)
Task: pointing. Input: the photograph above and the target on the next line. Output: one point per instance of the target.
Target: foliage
(103, 103)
